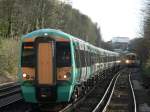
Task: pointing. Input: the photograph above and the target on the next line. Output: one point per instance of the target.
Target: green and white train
(58, 67)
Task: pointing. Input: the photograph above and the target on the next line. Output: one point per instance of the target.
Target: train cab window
(131, 57)
(63, 54)
(28, 55)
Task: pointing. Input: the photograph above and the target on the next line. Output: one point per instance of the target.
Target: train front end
(45, 71)
(131, 60)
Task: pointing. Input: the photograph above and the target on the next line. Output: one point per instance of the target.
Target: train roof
(131, 54)
(45, 32)
(54, 32)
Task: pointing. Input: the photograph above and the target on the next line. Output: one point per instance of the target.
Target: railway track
(9, 93)
(122, 98)
(97, 97)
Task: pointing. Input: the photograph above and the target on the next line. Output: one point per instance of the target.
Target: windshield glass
(28, 55)
(63, 55)
(131, 57)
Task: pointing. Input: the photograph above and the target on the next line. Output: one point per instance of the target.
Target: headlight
(119, 61)
(26, 76)
(64, 76)
(28, 73)
(127, 61)
(67, 75)
(64, 73)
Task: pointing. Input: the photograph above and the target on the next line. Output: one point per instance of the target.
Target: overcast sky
(115, 17)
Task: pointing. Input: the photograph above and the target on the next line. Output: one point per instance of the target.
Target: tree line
(18, 17)
(141, 45)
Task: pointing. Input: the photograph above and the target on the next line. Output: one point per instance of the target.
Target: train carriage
(131, 60)
(58, 67)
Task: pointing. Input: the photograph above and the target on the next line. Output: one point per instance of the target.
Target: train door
(45, 63)
(78, 62)
(45, 69)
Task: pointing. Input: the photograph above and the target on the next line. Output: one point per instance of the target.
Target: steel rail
(70, 106)
(9, 93)
(111, 94)
(134, 99)
(66, 108)
(106, 92)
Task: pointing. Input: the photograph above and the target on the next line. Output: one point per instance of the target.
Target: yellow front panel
(45, 65)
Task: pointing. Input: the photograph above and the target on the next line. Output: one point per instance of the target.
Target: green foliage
(142, 45)
(147, 67)
(8, 56)
(22, 16)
